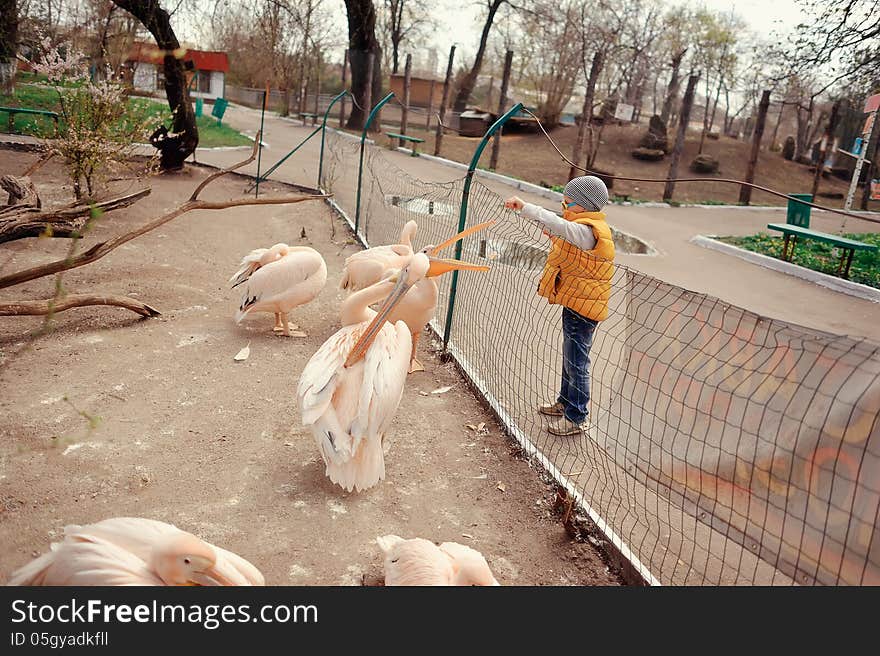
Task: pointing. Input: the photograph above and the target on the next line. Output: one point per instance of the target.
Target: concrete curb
(832, 282)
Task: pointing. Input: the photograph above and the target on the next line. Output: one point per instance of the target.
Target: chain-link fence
(722, 447)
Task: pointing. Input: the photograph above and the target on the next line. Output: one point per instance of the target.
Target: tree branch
(51, 305)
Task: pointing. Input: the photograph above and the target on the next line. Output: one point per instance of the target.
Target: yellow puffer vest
(578, 279)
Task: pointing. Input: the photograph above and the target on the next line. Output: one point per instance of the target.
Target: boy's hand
(514, 203)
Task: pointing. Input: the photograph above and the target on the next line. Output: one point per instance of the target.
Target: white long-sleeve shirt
(576, 234)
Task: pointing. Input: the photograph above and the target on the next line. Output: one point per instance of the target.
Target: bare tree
(550, 31)
(400, 21)
(364, 56)
(470, 79)
(179, 145)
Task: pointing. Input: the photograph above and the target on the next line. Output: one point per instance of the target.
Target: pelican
(417, 307)
(366, 267)
(278, 279)
(135, 551)
(350, 389)
(421, 562)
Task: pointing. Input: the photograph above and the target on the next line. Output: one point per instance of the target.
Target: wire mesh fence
(722, 447)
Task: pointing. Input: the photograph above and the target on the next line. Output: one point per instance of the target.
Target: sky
(460, 23)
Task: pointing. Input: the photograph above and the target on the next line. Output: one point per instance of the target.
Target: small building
(423, 92)
(205, 70)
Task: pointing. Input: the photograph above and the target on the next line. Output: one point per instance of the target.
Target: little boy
(577, 276)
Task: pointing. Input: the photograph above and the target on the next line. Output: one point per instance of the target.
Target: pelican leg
(288, 326)
(414, 364)
(278, 327)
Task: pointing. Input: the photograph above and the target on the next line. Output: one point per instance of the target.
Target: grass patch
(817, 255)
(34, 96)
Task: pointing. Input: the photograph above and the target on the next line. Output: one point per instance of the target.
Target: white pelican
(350, 389)
(421, 562)
(366, 267)
(417, 308)
(279, 279)
(135, 551)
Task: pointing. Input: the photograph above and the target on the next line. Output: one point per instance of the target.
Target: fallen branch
(20, 221)
(51, 305)
(98, 251)
(22, 192)
(38, 164)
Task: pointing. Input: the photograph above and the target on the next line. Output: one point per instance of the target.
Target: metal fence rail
(723, 447)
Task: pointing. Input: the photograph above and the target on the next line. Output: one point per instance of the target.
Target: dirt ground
(530, 157)
(112, 415)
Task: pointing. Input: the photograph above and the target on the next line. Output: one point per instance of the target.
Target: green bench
(403, 137)
(311, 115)
(848, 246)
(12, 111)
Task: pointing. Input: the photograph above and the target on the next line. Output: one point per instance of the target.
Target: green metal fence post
(323, 131)
(260, 139)
(462, 216)
(357, 211)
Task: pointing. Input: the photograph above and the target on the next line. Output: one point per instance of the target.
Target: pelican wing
(96, 562)
(268, 283)
(366, 267)
(249, 264)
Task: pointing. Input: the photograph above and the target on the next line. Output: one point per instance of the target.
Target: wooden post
(745, 191)
(404, 112)
(317, 88)
(368, 92)
(829, 144)
(586, 113)
(502, 102)
(438, 140)
(684, 118)
(430, 108)
(344, 79)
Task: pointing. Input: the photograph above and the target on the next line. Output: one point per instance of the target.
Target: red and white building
(209, 68)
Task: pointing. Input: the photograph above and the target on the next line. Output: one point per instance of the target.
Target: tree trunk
(404, 110)
(829, 145)
(447, 83)
(8, 45)
(586, 112)
(776, 127)
(344, 87)
(362, 43)
(672, 87)
(179, 145)
(684, 119)
(467, 85)
(745, 191)
(502, 107)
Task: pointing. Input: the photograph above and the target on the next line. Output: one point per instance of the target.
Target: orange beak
(360, 348)
(439, 266)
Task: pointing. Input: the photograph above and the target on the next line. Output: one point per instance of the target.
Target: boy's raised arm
(576, 234)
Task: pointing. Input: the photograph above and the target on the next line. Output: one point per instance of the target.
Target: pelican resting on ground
(135, 551)
(278, 279)
(417, 307)
(421, 562)
(350, 389)
(366, 267)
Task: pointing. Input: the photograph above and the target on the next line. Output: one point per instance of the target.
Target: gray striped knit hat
(588, 191)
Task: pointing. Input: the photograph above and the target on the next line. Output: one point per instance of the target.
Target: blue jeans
(577, 338)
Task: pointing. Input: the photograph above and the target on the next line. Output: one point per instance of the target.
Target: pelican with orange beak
(135, 551)
(366, 267)
(351, 388)
(417, 307)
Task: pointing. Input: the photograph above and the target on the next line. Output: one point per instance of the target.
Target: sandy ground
(181, 433)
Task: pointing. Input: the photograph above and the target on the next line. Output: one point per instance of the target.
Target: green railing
(324, 131)
(462, 217)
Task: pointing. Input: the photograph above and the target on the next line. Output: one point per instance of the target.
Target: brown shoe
(564, 427)
(551, 410)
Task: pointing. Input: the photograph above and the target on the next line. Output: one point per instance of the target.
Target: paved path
(669, 230)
